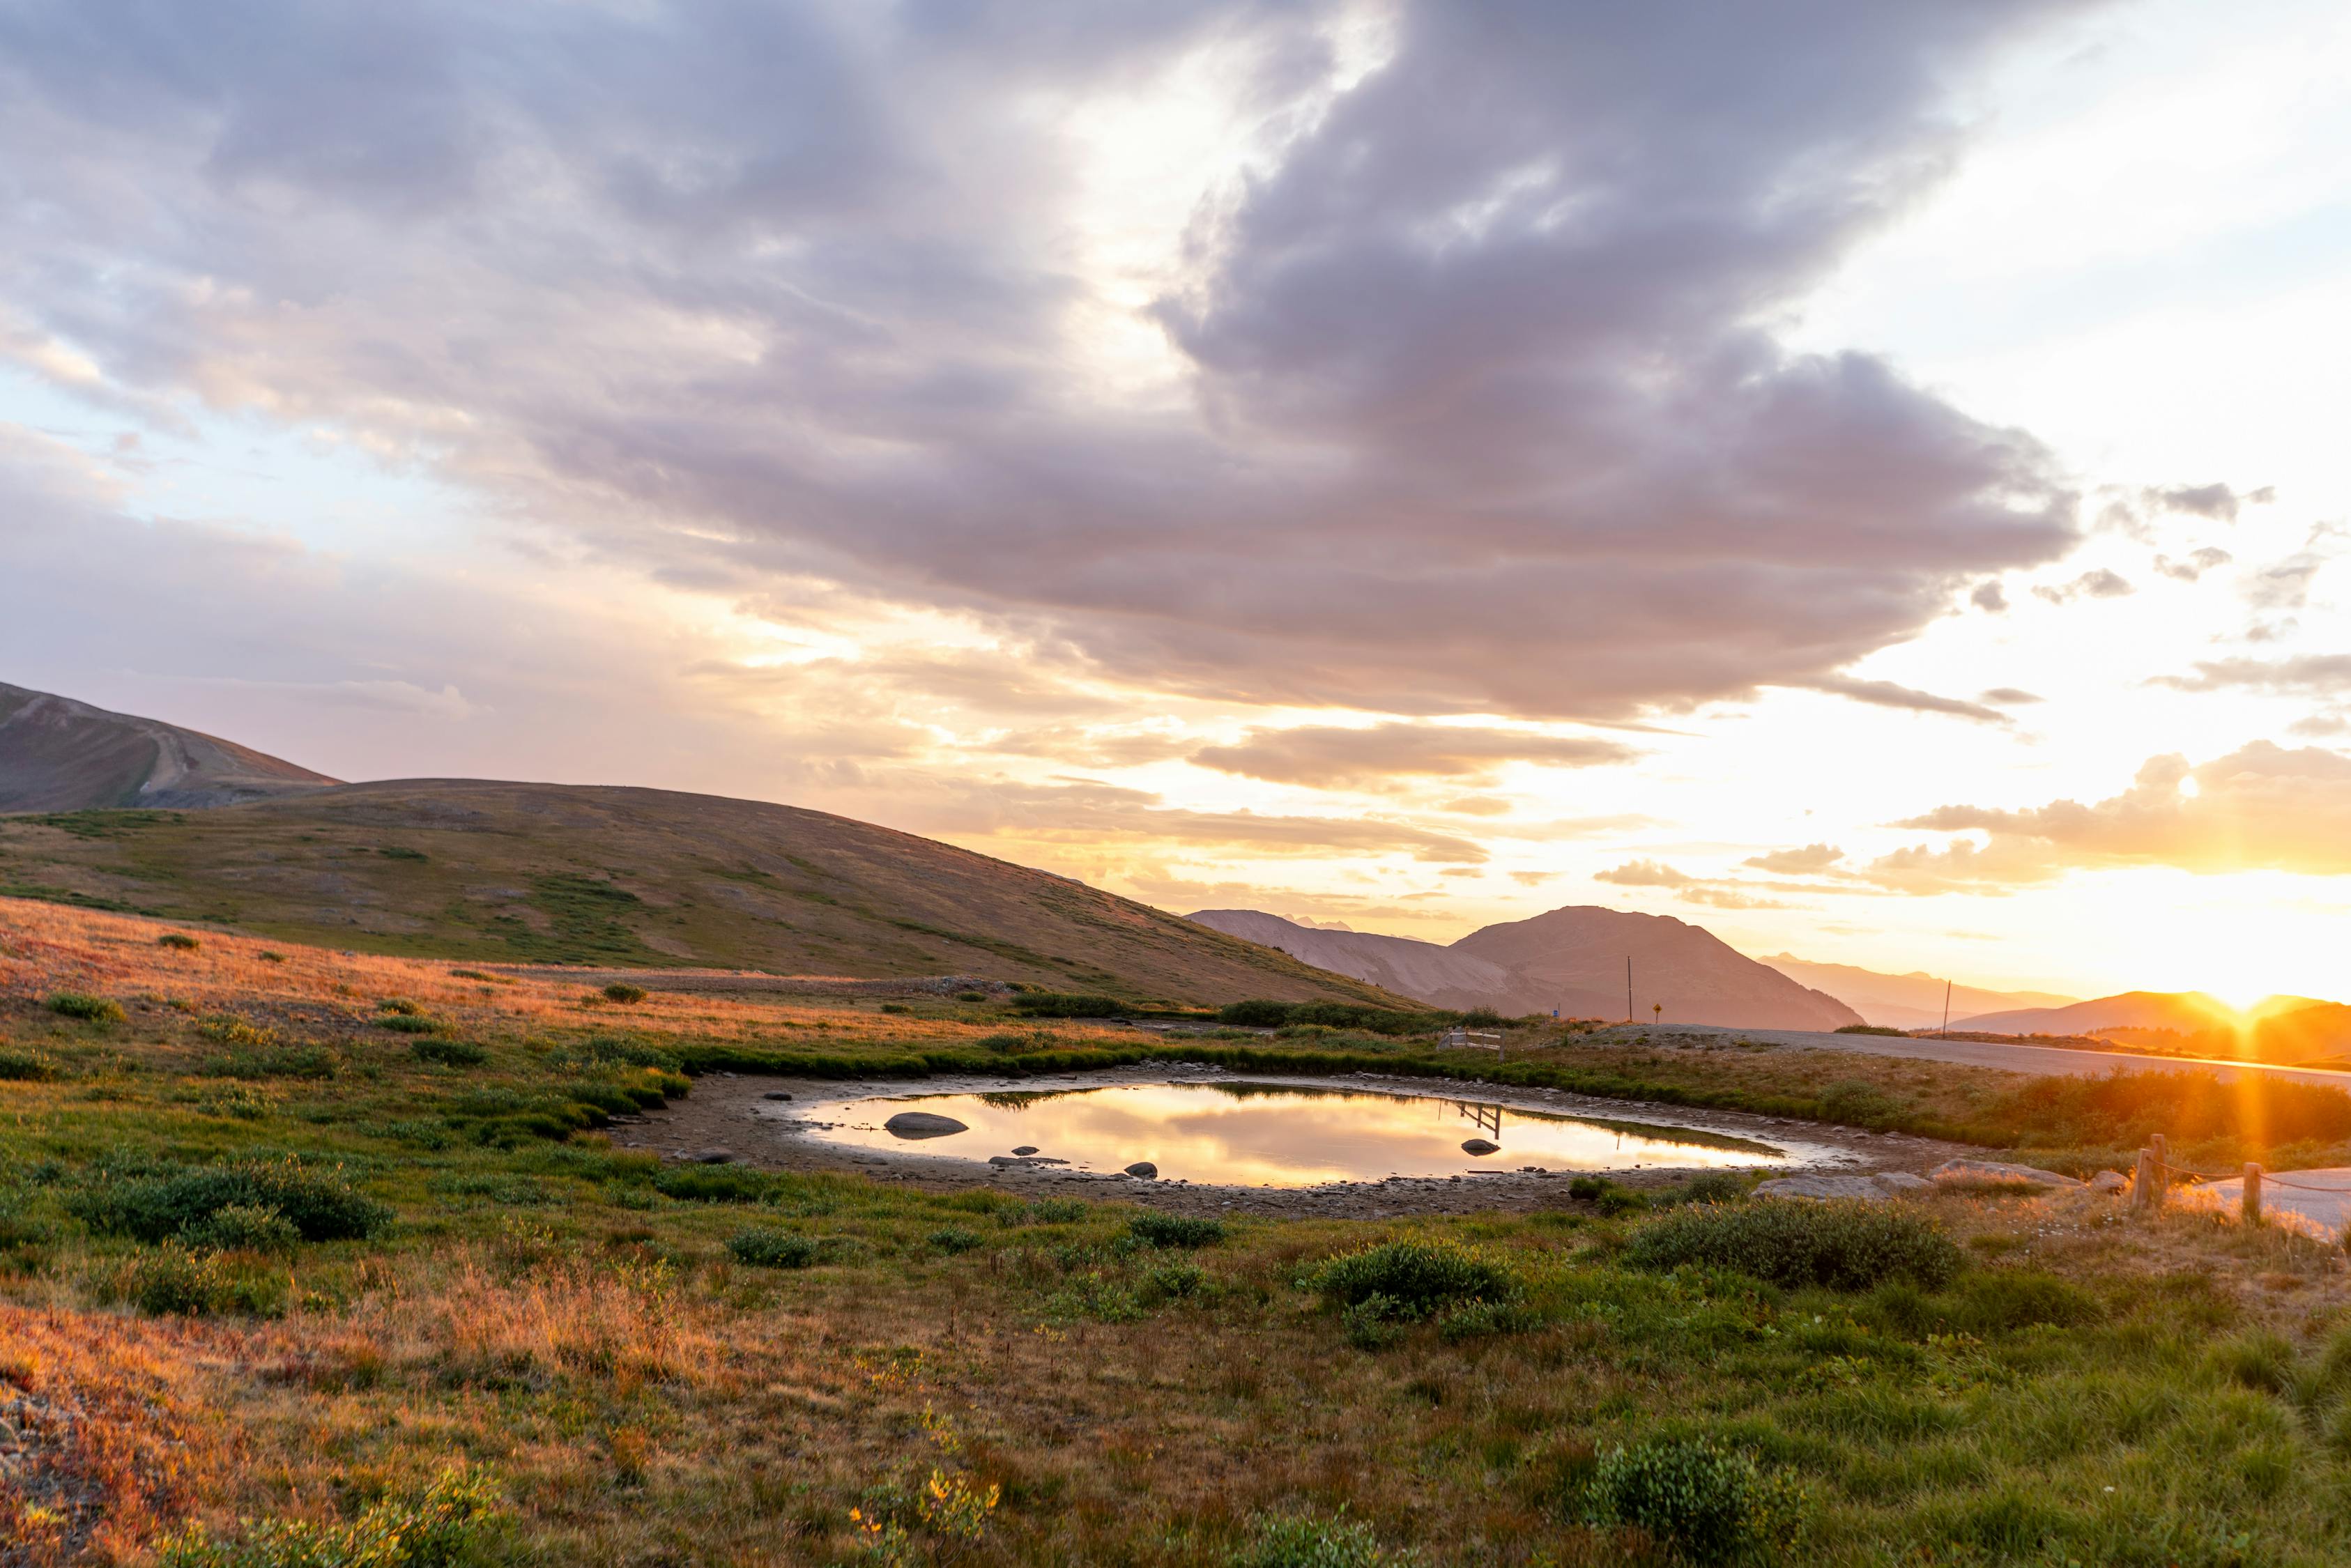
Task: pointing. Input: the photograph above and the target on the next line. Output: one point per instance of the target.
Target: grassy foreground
(288, 1275)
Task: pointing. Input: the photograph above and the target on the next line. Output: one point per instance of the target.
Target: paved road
(2049, 1061)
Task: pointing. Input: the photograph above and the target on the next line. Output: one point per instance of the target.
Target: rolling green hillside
(555, 873)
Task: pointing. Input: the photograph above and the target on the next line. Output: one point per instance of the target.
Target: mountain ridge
(59, 754)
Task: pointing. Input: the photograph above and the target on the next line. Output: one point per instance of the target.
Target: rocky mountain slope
(1570, 959)
(1905, 1001)
(60, 754)
(1425, 970)
(619, 877)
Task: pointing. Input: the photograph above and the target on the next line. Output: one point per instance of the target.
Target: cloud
(1643, 874)
(2099, 583)
(2306, 675)
(2008, 696)
(1886, 693)
(2129, 511)
(2282, 585)
(2261, 808)
(1458, 394)
(1729, 898)
(1090, 812)
(1331, 758)
(1989, 596)
(2198, 563)
(1798, 861)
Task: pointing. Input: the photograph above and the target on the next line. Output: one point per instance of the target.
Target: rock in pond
(1026, 1149)
(777, 1094)
(922, 1125)
(1144, 1170)
(1481, 1146)
(1997, 1174)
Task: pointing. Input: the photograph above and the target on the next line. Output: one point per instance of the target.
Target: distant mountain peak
(60, 755)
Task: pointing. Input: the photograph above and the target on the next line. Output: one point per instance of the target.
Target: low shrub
(26, 1066)
(1872, 1029)
(278, 1061)
(268, 957)
(245, 1227)
(321, 1204)
(1069, 1005)
(1479, 1320)
(227, 1028)
(448, 1053)
(1177, 1281)
(89, 1009)
(713, 1184)
(955, 1238)
(176, 1280)
(1698, 1498)
(896, 1007)
(616, 1051)
(408, 1023)
(1844, 1246)
(402, 853)
(445, 1526)
(1610, 1199)
(619, 992)
(401, 1005)
(773, 1248)
(1176, 1231)
(1414, 1277)
(178, 939)
(1305, 1541)
(1045, 1211)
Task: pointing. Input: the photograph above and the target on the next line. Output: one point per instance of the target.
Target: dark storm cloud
(1481, 410)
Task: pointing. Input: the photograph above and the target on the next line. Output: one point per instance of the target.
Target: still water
(1265, 1134)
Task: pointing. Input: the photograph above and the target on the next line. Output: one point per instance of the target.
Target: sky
(1863, 477)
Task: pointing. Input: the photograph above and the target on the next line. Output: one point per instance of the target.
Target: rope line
(2267, 1179)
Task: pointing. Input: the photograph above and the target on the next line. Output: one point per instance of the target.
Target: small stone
(1481, 1146)
(1026, 1149)
(712, 1157)
(922, 1125)
(777, 1094)
(1144, 1170)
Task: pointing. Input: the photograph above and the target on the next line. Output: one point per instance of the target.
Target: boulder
(712, 1157)
(922, 1125)
(1481, 1146)
(777, 1094)
(1026, 1149)
(2109, 1181)
(1879, 1186)
(1023, 1161)
(1998, 1175)
(1144, 1170)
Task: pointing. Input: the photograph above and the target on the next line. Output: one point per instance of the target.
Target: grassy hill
(555, 873)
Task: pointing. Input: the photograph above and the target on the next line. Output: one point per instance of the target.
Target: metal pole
(1628, 988)
(1946, 1030)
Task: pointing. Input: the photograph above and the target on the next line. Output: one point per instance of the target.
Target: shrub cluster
(773, 1248)
(89, 1009)
(1069, 1005)
(1304, 1541)
(26, 1066)
(320, 1205)
(1844, 1246)
(1380, 1289)
(178, 939)
(620, 991)
(1176, 1231)
(448, 1053)
(1697, 1499)
(442, 1527)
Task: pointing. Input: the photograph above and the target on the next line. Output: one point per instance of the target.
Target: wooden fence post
(2143, 1185)
(2162, 1147)
(2253, 1193)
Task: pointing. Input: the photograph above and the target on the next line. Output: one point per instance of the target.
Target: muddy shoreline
(732, 1114)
